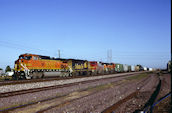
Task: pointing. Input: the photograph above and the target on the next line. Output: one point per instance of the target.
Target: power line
(20, 47)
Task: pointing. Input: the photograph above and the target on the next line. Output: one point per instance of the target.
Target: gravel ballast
(95, 101)
(137, 103)
(25, 98)
(99, 101)
(17, 87)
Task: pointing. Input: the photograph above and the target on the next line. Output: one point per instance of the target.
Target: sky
(136, 31)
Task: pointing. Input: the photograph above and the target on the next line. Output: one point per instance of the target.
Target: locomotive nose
(16, 65)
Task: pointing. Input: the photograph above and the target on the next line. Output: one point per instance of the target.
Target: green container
(129, 68)
(119, 68)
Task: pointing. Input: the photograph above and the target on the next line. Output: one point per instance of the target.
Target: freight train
(30, 66)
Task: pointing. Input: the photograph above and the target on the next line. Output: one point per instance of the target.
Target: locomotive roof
(51, 58)
(77, 59)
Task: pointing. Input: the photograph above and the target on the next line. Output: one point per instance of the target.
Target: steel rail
(8, 94)
(112, 108)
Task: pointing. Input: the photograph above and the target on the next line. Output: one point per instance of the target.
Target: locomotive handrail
(26, 70)
(24, 67)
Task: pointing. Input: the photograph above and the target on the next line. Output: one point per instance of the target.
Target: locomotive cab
(23, 59)
(20, 67)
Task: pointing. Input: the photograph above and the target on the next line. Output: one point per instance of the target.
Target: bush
(7, 69)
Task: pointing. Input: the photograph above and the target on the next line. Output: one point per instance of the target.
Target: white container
(132, 68)
(125, 66)
(150, 69)
(145, 68)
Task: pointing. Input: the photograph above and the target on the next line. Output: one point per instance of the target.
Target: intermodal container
(119, 67)
(132, 68)
(129, 68)
(125, 67)
(137, 68)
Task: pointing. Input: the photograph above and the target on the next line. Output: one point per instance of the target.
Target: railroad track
(154, 99)
(14, 93)
(70, 101)
(112, 108)
(11, 88)
(13, 82)
(20, 92)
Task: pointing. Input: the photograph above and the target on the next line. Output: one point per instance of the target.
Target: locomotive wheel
(86, 73)
(67, 74)
(80, 73)
(15, 77)
(36, 75)
(77, 73)
(42, 75)
(89, 73)
(92, 73)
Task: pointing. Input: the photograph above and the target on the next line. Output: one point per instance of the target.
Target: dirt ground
(164, 105)
(137, 103)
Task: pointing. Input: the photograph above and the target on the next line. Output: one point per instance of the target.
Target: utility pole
(59, 53)
(109, 56)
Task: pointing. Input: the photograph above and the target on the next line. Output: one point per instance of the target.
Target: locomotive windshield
(25, 57)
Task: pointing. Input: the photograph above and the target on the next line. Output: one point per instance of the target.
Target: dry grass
(138, 77)
(2, 78)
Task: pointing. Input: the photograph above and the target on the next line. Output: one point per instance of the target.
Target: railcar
(77, 67)
(93, 68)
(100, 68)
(125, 67)
(137, 68)
(132, 68)
(129, 68)
(105, 68)
(145, 68)
(111, 67)
(119, 68)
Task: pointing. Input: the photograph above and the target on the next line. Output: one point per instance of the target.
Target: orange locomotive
(95, 68)
(37, 66)
(109, 68)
